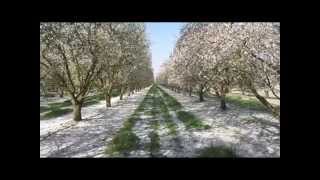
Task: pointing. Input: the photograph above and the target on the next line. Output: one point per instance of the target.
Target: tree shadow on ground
(260, 137)
(87, 138)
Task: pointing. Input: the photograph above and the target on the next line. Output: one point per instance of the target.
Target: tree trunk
(217, 93)
(266, 92)
(190, 91)
(77, 110)
(108, 100)
(201, 95)
(44, 91)
(121, 94)
(273, 110)
(223, 102)
(61, 93)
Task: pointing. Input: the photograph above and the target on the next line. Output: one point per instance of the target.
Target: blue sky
(163, 37)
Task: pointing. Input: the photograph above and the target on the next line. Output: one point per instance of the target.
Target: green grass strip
(125, 140)
(191, 121)
(56, 112)
(245, 103)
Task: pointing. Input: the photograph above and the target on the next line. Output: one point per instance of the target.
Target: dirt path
(250, 133)
(61, 137)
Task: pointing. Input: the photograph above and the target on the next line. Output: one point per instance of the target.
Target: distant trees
(125, 47)
(221, 56)
(82, 56)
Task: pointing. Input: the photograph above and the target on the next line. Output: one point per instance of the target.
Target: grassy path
(159, 127)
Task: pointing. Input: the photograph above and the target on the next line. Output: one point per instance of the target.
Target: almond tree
(139, 60)
(257, 43)
(125, 51)
(69, 53)
(188, 59)
(111, 60)
(221, 56)
(259, 65)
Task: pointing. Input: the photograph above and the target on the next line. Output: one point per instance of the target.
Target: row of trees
(221, 56)
(79, 57)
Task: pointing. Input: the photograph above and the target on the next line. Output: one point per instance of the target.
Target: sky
(163, 37)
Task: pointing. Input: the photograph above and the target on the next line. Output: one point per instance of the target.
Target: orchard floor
(161, 131)
(249, 132)
(62, 137)
(163, 127)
